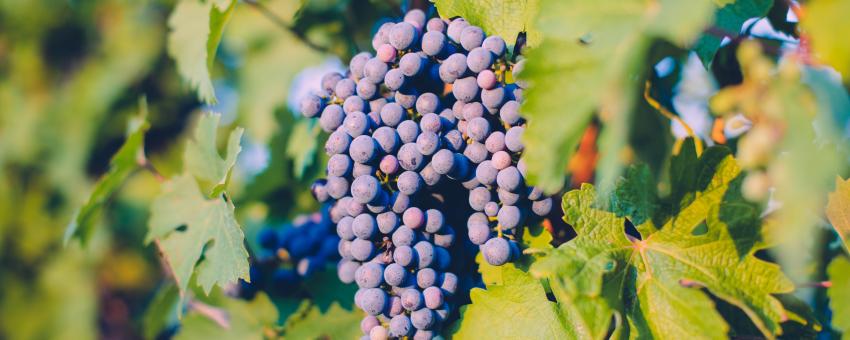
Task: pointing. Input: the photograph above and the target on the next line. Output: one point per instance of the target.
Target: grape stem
(287, 27)
(666, 113)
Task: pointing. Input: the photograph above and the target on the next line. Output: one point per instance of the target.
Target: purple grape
(433, 297)
(331, 118)
(394, 79)
(392, 114)
(369, 275)
(345, 88)
(509, 216)
(409, 182)
(496, 251)
(479, 59)
(363, 149)
(395, 274)
(356, 123)
(465, 89)
(374, 71)
(329, 80)
(433, 43)
(471, 37)
(374, 300)
(426, 277)
(364, 226)
(412, 64)
(402, 35)
(411, 299)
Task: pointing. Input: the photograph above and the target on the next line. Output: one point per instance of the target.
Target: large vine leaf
(588, 62)
(826, 24)
(255, 319)
(187, 225)
(838, 210)
(310, 322)
(122, 165)
(839, 295)
(728, 19)
(658, 277)
(201, 155)
(505, 18)
(515, 309)
(196, 29)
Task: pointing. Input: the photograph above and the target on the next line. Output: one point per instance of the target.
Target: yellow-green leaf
(253, 319)
(505, 18)
(825, 23)
(311, 322)
(201, 153)
(838, 210)
(187, 225)
(839, 293)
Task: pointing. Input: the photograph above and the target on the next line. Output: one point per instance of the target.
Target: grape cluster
(292, 253)
(424, 169)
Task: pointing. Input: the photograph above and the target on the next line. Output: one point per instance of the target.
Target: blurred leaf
(196, 29)
(186, 224)
(839, 294)
(826, 25)
(778, 17)
(505, 18)
(302, 145)
(335, 323)
(727, 23)
(253, 319)
(516, 308)
(326, 289)
(123, 163)
(161, 311)
(201, 153)
(587, 65)
(838, 210)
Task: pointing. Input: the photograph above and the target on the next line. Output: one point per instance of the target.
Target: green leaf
(161, 311)
(587, 64)
(245, 320)
(196, 29)
(839, 295)
(635, 195)
(658, 278)
(123, 163)
(838, 210)
(826, 25)
(505, 18)
(515, 309)
(335, 323)
(201, 154)
(187, 225)
(727, 23)
(302, 145)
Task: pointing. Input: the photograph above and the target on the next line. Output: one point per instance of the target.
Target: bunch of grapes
(292, 253)
(424, 169)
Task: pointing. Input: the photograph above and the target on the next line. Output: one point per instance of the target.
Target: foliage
(245, 320)
(728, 19)
(503, 18)
(310, 322)
(839, 273)
(824, 24)
(838, 210)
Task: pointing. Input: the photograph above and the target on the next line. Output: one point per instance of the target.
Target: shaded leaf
(505, 18)
(196, 29)
(253, 319)
(587, 64)
(635, 195)
(334, 323)
(839, 293)
(201, 153)
(187, 225)
(838, 210)
(123, 163)
(727, 23)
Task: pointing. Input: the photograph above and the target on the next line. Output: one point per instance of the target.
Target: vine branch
(666, 113)
(277, 20)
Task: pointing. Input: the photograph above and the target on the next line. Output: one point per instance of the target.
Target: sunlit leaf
(839, 294)
(838, 210)
(201, 153)
(825, 23)
(253, 319)
(334, 323)
(505, 18)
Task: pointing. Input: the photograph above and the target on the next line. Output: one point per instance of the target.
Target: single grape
(509, 216)
(496, 251)
(395, 274)
(395, 307)
(400, 326)
(535, 193)
(471, 37)
(422, 334)
(346, 270)
(404, 256)
(409, 156)
(412, 64)
(413, 218)
(361, 169)
(311, 105)
(411, 299)
(369, 275)
(425, 253)
(495, 142)
(329, 80)
(507, 197)
(433, 43)
(428, 103)
(344, 228)
(373, 300)
(479, 59)
(402, 35)
(486, 173)
(443, 161)
(387, 139)
(406, 100)
(428, 143)
(478, 197)
(382, 35)
(386, 53)
(478, 232)
(486, 79)
(433, 297)
(363, 149)
(491, 209)
(374, 71)
(495, 44)
(356, 65)
(415, 17)
(337, 187)
(449, 283)
(455, 29)
(362, 250)
(364, 226)
(345, 88)
(407, 131)
(352, 104)
(493, 99)
(378, 333)
(445, 240)
(409, 182)
(542, 207)
(368, 323)
(434, 221)
(399, 202)
(331, 118)
(465, 89)
(476, 152)
(387, 222)
(366, 89)
(501, 160)
(392, 114)
(389, 165)
(435, 24)
(473, 110)
(319, 190)
(509, 113)
(394, 79)
(454, 141)
(478, 129)
(509, 179)
(422, 318)
(453, 68)
(404, 235)
(517, 71)
(426, 277)
(338, 142)
(376, 105)
(356, 123)
(429, 176)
